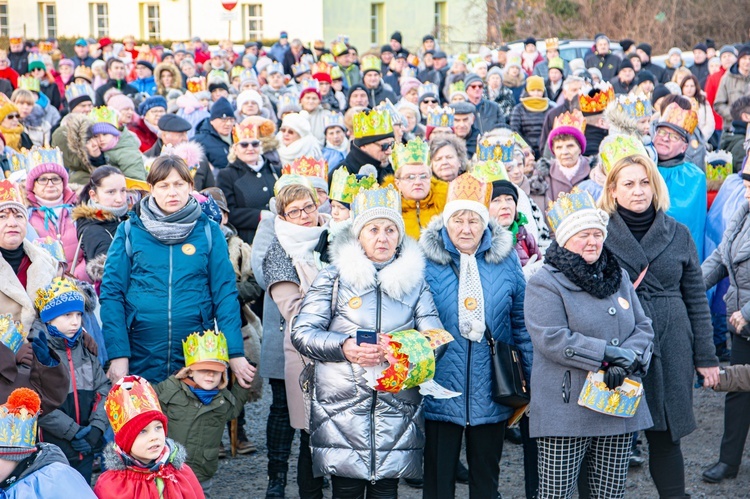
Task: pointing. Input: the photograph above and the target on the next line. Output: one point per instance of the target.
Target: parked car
(569, 49)
(660, 60)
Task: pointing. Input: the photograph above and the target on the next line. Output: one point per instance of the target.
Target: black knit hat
(645, 75)
(626, 44)
(645, 47)
(659, 92)
(222, 109)
(625, 64)
(500, 187)
(385, 48)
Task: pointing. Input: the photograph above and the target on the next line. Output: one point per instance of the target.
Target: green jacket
(196, 426)
(126, 156)
(734, 143)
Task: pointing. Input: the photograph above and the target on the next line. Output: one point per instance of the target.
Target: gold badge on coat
(355, 302)
(623, 303)
(188, 249)
(470, 303)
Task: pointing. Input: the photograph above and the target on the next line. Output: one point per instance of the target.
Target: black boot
(723, 352)
(276, 485)
(513, 435)
(719, 472)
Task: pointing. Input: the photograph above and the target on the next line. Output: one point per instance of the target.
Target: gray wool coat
(569, 329)
(673, 296)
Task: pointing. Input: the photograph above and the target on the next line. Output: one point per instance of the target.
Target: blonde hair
(23, 96)
(680, 74)
(658, 186)
(290, 194)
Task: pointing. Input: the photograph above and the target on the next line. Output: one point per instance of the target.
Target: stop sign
(229, 4)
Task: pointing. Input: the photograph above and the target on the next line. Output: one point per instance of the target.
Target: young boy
(29, 470)
(198, 404)
(78, 424)
(142, 462)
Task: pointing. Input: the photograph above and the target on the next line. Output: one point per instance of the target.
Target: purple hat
(43, 168)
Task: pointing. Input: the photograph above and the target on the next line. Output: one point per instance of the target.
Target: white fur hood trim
(433, 246)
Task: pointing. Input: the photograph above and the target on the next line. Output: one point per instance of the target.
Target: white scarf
(299, 243)
(528, 60)
(470, 300)
(305, 146)
(343, 148)
(569, 173)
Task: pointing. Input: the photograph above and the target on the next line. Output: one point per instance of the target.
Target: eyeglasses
(667, 135)
(49, 180)
(14, 116)
(388, 145)
(253, 143)
(429, 101)
(413, 178)
(475, 86)
(225, 121)
(298, 213)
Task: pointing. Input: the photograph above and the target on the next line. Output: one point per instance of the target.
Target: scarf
(638, 223)
(569, 173)
(305, 146)
(535, 104)
(118, 212)
(528, 59)
(470, 300)
(676, 161)
(599, 279)
(299, 244)
(520, 221)
(154, 466)
(13, 257)
(69, 341)
(258, 166)
(13, 137)
(173, 228)
(52, 210)
(343, 148)
(205, 396)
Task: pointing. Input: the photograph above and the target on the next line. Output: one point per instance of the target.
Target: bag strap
(640, 278)
(128, 245)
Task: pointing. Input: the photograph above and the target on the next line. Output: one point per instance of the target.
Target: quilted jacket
(466, 365)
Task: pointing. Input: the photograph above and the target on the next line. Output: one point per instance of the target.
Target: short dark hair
(680, 100)
(112, 61)
(564, 137)
(739, 107)
(163, 166)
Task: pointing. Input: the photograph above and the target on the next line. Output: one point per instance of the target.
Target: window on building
(253, 21)
(48, 20)
(151, 21)
(377, 26)
(4, 19)
(440, 19)
(99, 19)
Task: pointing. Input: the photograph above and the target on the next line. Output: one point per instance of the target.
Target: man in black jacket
(294, 55)
(116, 72)
(18, 56)
(644, 53)
(373, 81)
(603, 59)
(370, 148)
(488, 114)
(215, 133)
(700, 64)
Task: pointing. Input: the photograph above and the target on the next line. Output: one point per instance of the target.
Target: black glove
(614, 377)
(621, 357)
(79, 442)
(94, 436)
(41, 350)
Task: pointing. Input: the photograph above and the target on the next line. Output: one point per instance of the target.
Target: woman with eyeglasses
(248, 180)
(11, 127)
(297, 140)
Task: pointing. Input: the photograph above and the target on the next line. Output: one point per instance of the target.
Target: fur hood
(113, 461)
(619, 122)
(78, 128)
(86, 212)
(397, 279)
(35, 118)
(434, 249)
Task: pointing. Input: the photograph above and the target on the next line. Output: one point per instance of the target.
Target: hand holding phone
(367, 336)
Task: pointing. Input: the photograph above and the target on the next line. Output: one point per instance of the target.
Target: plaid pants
(279, 432)
(560, 463)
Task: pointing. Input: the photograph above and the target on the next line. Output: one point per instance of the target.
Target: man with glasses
(487, 113)
(372, 145)
(215, 133)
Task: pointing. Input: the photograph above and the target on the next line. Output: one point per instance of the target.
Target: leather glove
(94, 436)
(41, 350)
(614, 377)
(90, 343)
(79, 442)
(25, 355)
(621, 357)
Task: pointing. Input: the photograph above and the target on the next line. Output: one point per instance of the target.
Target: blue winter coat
(215, 148)
(154, 299)
(465, 366)
(144, 85)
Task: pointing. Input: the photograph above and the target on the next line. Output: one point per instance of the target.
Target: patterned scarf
(173, 228)
(470, 300)
(118, 212)
(520, 220)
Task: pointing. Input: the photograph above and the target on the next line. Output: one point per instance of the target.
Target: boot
(719, 472)
(244, 446)
(276, 485)
(723, 352)
(414, 483)
(513, 435)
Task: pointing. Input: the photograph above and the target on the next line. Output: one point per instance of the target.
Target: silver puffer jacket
(356, 432)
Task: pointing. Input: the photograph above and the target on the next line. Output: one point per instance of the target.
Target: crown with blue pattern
(332, 118)
(18, 417)
(428, 88)
(300, 69)
(409, 73)
(17, 161)
(496, 149)
(52, 246)
(386, 198)
(440, 117)
(43, 156)
(568, 203)
(12, 334)
(76, 90)
(60, 297)
(275, 67)
(634, 106)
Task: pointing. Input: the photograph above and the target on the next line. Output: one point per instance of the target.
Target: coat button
(569, 352)
(615, 342)
(612, 311)
(258, 175)
(265, 189)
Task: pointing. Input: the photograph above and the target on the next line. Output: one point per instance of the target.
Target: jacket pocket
(566, 387)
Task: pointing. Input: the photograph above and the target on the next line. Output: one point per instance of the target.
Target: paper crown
(618, 146)
(17, 161)
(16, 40)
(594, 100)
(78, 90)
(496, 149)
(247, 74)
(345, 185)
(383, 197)
(209, 346)
(440, 116)
(388, 107)
(300, 69)
(621, 402)
(307, 166)
(275, 67)
(677, 118)
(18, 416)
(10, 193)
(459, 86)
(427, 88)
(307, 59)
(490, 171)
(128, 398)
(409, 73)
(43, 156)
(29, 83)
(551, 44)
(467, 187)
(634, 106)
(328, 59)
(46, 47)
(287, 101)
(12, 334)
(236, 71)
(339, 48)
(336, 73)
(53, 246)
(416, 151)
(320, 67)
(513, 59)
(412, 60)
(568, 203)
(570, 122)
(371, 123)
(34, 57)
(332, 118)
(244, 131)
(293, 179)
(217, 76)
(104, 114)
(370, 63)
(56, 293)
(718, 165)
(309, 83)
(196, 84)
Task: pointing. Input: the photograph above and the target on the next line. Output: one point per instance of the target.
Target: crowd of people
(367, 234)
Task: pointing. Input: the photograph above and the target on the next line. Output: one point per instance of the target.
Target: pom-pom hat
(18, 420)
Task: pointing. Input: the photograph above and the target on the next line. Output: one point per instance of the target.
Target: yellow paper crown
(618, 146)
(718, 165)
(18, 418)
(370, 63)
(46, 47)
(307, 166)
(685, 119)
(339, 48)
(551, 44)
(244, 131)
(568, 203)
(345, 185)
(51, 293)
(371, 123)
(128, 398)
(209, 346)
(29, 83)
(573, 119)
(490, 171)
(43, 156)
(104, 114)
(416, 151)
(594, 100)
(459, 86)
(440, 117)
(467, 187)
(196, 84)
(336, 73)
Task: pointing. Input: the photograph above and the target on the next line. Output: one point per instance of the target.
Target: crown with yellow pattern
(328, 59)
(236, 71)
(370, 62)
(618, 146)
(210, 346)
(15, 40)
(440, 117)
(307, 166)
(387, 198)
(428, 88)
(336, 73)
(46, 47)
(345, 185)
(217, 76)
(11, 196)
(18, 417)
(17, 161)
(52, 246)
(43, 156)
(196, 84)
(300, 69)
(496, 149)
(293, 179)
(551, 44)
(718, 166)
(339, 48)
(468, 187)
(594, 99)
(459, 86)
(567, 204)
(634, 106)
(332, 118)
(131, 396)
(320, 67)
(103, 114)
(244, 131)
(416, 151)
(490, 171)
(569, 123)
(76, 90)
(683, 121)
(29, 83)
(59, 297)
(371, 123)
(12, 334)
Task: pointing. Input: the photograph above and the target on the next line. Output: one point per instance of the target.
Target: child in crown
(198, 403)
(142, 462)
(78, 425)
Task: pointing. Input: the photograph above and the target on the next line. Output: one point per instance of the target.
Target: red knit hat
(128, 433)
(322, 77)
(307, 91)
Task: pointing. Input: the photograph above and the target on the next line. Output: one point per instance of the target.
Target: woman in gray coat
(660, 257)
(583, 316)
(365, 439)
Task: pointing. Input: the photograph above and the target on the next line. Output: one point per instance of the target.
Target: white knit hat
(298, 123)
(249, 96)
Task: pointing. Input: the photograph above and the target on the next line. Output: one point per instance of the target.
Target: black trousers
(310, 487)
(484, 448)
(666, 464)
(84, 466)
(354, 488)
(736, 410)
(279, 432)
(530, 460)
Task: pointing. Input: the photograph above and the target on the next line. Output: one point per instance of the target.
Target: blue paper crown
(34, 57)
(11, 334)
(568, 203)
(275, 67)
(17, 429)
(440, 116)
(79, 89)
(299, 69)
(43, 156)
(634, 106)
(333, 118)
(309, 83)
(53, 246)
(17, 161)
(427, 88)
(496, 149)
(409, 72)
(386, 197)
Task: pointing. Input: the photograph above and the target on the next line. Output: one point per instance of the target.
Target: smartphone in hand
(367, 336)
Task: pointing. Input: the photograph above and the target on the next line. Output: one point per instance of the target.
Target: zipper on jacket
(169, 314)
(74, 383)
(419, 222)
(468, 384)
(378, 303)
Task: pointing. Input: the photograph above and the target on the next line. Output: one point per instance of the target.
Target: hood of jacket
(496, 243)
(36, 118)
(86, 212)
(734, 72)
(397, 279)
(77, 135)
(113, 461)
(176, 75)
(46, 454)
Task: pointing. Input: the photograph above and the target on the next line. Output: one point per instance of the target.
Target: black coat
(290, 61)
(357, 158)
(379, 94)
(215, 148)
(121, 85)
(19, 61)
(701, 72)
(52, 93)
(6, 87)
(655, 70)
(622, 88)
(203, 178)
(248, 193)
(673, 296)
(607, 64)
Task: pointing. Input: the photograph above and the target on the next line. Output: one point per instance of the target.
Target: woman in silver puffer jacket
(365, 439)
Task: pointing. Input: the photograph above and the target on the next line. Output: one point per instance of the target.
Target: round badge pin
(470, 303)
(188, 249)
(355, 302)
(623, 303)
